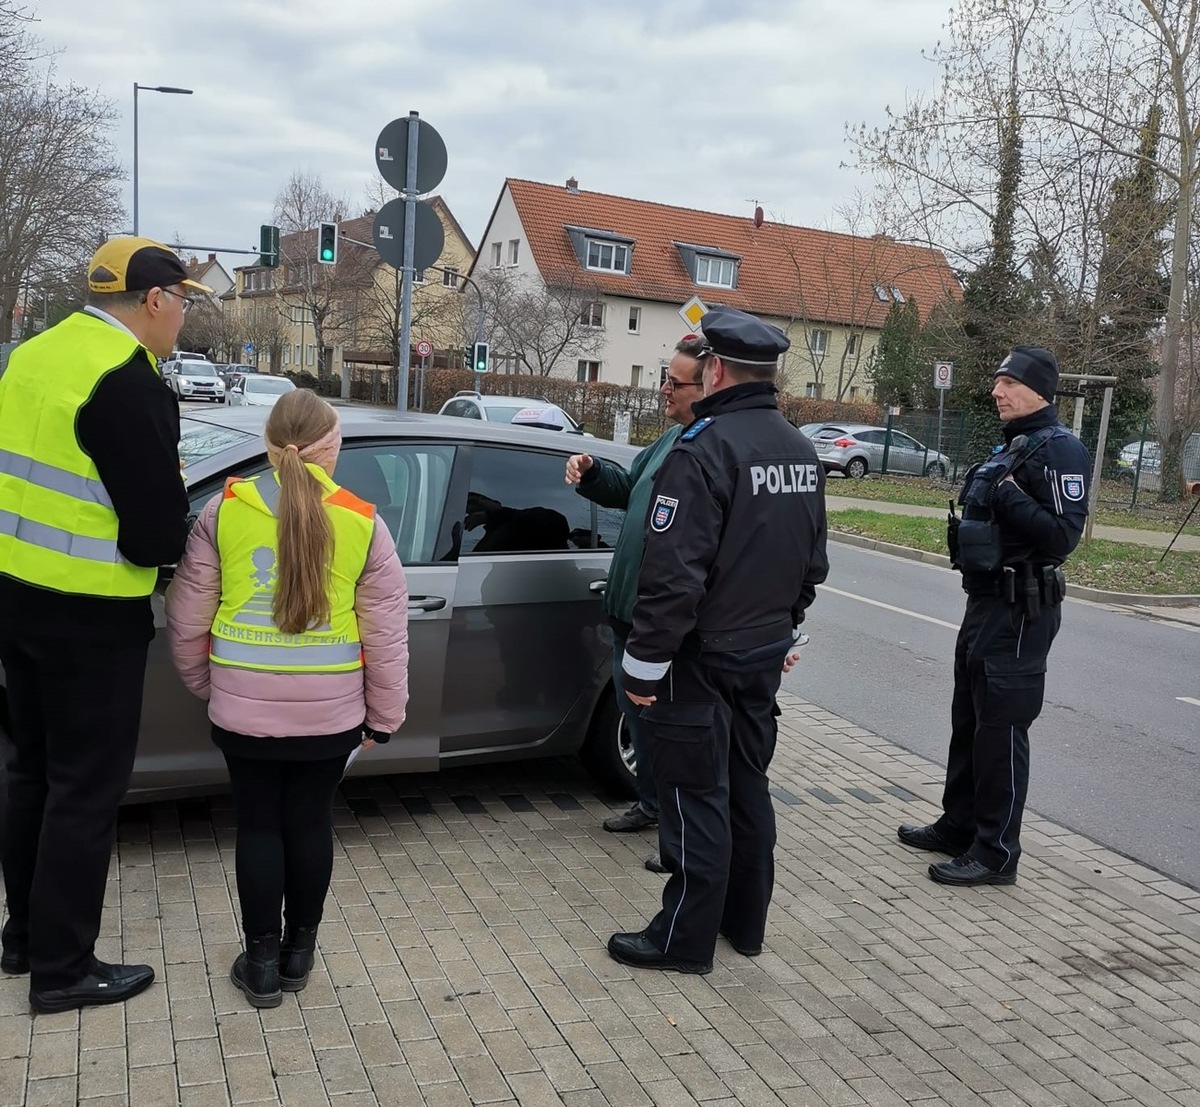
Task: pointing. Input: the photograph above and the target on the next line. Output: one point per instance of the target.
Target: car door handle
(598, 586)
(426, 603)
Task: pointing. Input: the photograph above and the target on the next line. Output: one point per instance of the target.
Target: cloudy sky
(712, 104)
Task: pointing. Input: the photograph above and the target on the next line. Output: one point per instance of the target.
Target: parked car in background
(810, 429)
(258, 390)
(233, 373)
(503, 409)
(192, 377)
(856, 449)
(1147, 455)
(510, 650)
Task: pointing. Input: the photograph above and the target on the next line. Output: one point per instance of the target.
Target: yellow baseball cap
(129, 264)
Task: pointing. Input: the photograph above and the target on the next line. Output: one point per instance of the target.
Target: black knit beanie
(1034, 367)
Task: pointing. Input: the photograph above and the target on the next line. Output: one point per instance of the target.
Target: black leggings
(284, 839)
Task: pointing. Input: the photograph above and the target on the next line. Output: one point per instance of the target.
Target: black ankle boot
(296, 957)
(256, 972)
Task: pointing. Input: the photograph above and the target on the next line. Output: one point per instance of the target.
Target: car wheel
(608, 751)
(936, 470)
(856, 468)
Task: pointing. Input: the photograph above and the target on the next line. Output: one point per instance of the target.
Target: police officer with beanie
(735, 547)
(1023, 513)
(91, 503)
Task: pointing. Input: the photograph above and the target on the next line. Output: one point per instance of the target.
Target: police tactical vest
(244, 634)
(58, 527)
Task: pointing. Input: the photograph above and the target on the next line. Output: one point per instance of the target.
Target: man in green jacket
(630, 490)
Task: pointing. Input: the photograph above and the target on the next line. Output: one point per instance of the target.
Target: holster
(980, 549)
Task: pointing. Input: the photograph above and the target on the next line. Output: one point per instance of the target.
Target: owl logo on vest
(662, 515)
(1072, 486)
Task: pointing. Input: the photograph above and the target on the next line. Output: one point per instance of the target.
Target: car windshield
(199, 369)
(275, 387)
(198, 439)
(502, 413)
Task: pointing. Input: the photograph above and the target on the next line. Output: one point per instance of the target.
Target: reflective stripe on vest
(244, 633)
(58, 527)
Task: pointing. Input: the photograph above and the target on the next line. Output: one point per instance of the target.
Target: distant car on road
(193, 377)
(857, 449)
(233, 373)
(258, 390)
(504, 409)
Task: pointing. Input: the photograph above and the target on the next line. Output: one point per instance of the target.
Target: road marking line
(890, 607)
(1188, 699)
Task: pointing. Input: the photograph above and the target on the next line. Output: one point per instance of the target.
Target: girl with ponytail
(288, 614)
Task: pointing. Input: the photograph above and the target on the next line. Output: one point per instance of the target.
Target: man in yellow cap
(91, 503)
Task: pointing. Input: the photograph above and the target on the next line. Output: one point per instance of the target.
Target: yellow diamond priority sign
(693, 311)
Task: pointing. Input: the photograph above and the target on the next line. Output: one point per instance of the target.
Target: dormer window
(897, 295)
(718, 272)
(881, 293)
(610, 257)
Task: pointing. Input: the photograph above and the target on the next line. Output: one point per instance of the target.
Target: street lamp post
(136, 89)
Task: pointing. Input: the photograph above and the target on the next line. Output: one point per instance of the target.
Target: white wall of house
(505, 229)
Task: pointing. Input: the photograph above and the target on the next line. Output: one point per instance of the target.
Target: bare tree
(543, 327)
(265, 328)
(222, 333)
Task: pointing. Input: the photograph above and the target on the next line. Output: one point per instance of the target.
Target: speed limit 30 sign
(424, 349)
(943, 374)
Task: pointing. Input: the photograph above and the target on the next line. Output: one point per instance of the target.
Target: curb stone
(1077, 591)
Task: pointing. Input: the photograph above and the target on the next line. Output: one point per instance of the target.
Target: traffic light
(479, 357)
(327, 240)
(268, 247)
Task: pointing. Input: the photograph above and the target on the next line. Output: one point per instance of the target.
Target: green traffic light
(327, 255)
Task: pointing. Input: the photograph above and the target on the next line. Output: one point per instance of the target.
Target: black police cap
(737, 336)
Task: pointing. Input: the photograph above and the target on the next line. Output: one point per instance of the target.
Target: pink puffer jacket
(278, 705)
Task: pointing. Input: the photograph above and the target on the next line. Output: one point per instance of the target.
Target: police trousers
(999, 682)
(711, 735)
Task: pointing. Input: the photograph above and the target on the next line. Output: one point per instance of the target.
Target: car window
(199, 369)
(519, 503)
(198, 440)
(502, 413)
(271, 386)
(830, 432)
(407, 482)
(455, 407)
(872, 438)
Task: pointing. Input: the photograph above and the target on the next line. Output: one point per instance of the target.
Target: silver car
(857, 449)
(192, 377)
(509, 647)
(503, 409)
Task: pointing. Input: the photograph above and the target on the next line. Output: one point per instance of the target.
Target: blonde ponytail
(304, 532)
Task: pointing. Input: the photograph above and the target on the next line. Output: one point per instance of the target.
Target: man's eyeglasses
(670, 384)
(187, 300)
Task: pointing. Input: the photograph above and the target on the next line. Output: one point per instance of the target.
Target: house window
(592, 314)
(495, 255)
(852, 345)
(715, 271)
(514, 250)
(818, 343)
(635, 376)
(286, 354)
(312, 354)
(635, 320)
(588, 371)
(897, 295)
(881, 293)
(607, 255)
(853, 392)
(812, 391)
(418, 276)
(296, 355)
(450, 277)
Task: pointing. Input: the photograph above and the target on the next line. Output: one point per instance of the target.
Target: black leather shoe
(637, 949)
(933, 839)
(14, 963)
(104, 984)
(255, 973)
(742, 947)
(296, 953)
(636, 818)
(655, 865)
(966, 872)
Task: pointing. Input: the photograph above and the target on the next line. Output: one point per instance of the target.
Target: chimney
(212, 258)
(572, 185)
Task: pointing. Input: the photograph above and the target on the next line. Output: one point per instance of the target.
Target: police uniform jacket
(1042, 514)
(735, 538)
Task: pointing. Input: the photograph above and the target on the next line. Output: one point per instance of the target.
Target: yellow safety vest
(244, 634)
(58, 528)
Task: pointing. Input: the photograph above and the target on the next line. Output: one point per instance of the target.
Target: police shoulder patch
(696, 428)
(1072, 486)
(662, 514)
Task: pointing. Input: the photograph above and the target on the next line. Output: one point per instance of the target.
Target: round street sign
(943, 374)
(424, 349)
(388, 235)
(391, 155)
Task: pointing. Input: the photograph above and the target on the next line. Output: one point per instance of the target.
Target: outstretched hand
(577, 465)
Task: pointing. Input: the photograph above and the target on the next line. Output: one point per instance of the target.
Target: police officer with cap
(1023, 514)
(735, 547)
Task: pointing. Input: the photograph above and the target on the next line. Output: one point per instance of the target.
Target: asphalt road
(1115, 752)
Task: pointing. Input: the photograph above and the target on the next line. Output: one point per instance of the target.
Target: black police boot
(933, 838)
(296, 957)
(256, 972)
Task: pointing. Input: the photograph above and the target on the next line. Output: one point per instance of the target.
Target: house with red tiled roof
(636, 263)
(211, 273)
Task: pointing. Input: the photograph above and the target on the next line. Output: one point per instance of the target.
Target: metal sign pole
(410, 228)
(1098, 464)
(941, 413)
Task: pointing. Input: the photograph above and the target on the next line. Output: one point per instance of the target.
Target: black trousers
(999, 683)
(284, 853)
(74, 710)
(711, 736)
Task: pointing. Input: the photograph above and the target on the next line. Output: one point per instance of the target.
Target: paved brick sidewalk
(462, 962)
